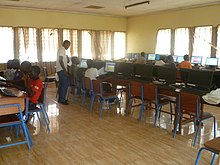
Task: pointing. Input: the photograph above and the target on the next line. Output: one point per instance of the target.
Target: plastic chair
(16, 119)
(41, 109)
(190, 103)
(212, 146)
(150, 96)
(97, 90)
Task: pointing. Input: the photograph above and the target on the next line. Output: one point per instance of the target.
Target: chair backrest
(86, 83)
(42, 98)
(189, 103)
(97, 86)
(135, 88)
(149, 91)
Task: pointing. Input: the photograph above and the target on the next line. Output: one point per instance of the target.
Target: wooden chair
(212, 146)
(190, 104)
(41, 108)
(97, 91)
(13, 116)
(150, 96)
(86, 88)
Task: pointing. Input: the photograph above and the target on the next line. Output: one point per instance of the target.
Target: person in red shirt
(184, 64)
(34, 87)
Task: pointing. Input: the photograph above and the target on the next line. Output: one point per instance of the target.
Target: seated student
(170, 62)
(185, 64)
(18, 73)
(141, 59)
(34, 86)
(73, 70)
(10, 72)
(162, 61)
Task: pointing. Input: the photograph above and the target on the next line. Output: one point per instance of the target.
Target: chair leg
(26, 134)
(141, 112)
(101, 108)
(45, 113)
(39, 118)
(83, 97)
(91, 103)
(171, 112)
(179, 116)
(157, 112)
(214, 120)
(197, 131)
(198, 156)
(213, 159)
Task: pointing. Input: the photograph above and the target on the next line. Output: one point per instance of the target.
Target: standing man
(61, 69)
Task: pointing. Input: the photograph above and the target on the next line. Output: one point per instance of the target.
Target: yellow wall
(142, 30)
(39, 18)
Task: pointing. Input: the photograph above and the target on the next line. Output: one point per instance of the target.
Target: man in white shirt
(61, 69)
(91, 72)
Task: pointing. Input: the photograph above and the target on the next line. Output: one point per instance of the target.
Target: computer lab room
(97, 82)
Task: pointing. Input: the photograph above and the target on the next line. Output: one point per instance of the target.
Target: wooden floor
(81, 138)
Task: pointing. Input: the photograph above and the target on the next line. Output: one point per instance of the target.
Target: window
(181, 44)
(6, 44)
(119, 45)
(49, 44)
(163, 43)
(71, 35)
(218, 45)
(27, 39)
(202, 42)
(86, 44)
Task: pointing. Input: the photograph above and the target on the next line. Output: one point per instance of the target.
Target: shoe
(63, 102)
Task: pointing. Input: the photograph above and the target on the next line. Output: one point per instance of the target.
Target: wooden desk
(11, 100)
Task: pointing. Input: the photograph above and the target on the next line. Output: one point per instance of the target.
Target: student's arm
(62, 65)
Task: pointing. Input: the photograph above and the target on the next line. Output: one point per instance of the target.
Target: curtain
(163, 43)
(71, 35)
(181, 42)
(119, 42)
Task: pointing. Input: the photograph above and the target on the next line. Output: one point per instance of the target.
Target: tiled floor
(80, 137)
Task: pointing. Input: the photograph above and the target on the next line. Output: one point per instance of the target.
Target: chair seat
(213, 144)
(7, 119)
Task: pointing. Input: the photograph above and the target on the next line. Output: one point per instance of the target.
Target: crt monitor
(167, 75)
(196, 59)
(125, 69)
(98, 64)
(83, 63)
(110, 67)
(143, 71)
(211, 61)
(200, 78)
(151, 57)
(179, 59)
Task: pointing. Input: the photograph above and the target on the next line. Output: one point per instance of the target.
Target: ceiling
(109, 7)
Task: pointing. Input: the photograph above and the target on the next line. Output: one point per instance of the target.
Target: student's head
(186, 57)
(25, 67)
(163, 58)
(170, 58)
(16, 64)
(10, 64)
(66, 44)
(34, 73)
(90, 63)
(142, 54)
(75, 60)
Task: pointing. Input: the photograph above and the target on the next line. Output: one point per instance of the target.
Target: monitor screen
(151, 57)
(174, 58)
(110, 67)
(179, 59)
(167, 75)
(83, 63)
(157, 58)
(125, 69)
(211, 61)
(196, 59)
(143, 71)
(200, 78)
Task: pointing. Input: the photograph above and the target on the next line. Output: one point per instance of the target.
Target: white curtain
(71, 35)
(163, 43)
(119, 45)
(218, 45)
(181, 44)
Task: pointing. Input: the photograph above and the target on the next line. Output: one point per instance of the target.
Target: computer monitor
(196, 59)
(157, 57)
(211, 61)
(83, 63)
(110, 67)
(200, 78)
(143, 71)
(126, 69)
(166, 74)
(151, 57)
(179, 59)
(174, 58)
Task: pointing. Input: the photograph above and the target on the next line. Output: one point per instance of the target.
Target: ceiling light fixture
(136, 4)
